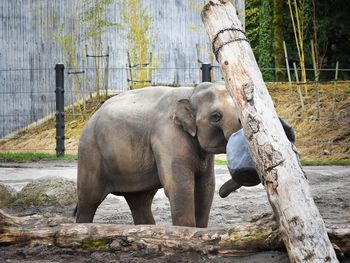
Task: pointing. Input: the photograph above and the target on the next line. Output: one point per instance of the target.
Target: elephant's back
(142, 106)
(145, 98)
(132, 115)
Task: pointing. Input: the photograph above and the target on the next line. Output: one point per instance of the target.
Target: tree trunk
(260, 234)
(278, 39)
(303, 230)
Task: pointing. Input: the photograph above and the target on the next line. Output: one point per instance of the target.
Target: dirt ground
(330, 187)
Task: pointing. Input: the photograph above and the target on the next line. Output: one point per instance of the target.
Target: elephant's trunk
(228, 187)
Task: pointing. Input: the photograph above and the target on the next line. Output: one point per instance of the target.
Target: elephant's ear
(184, 116)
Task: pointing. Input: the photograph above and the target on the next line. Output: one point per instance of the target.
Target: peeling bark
(303, 230)
(260, 234)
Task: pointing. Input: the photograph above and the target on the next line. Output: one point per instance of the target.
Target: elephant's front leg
(204, 193)
(178, 182)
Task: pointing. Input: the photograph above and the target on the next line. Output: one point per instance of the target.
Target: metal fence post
(206, 72)
(59, 68)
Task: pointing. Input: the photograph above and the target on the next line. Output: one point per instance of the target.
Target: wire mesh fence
(27, 102)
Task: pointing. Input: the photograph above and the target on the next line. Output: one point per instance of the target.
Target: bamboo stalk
(316, 73)
(131, 85)
(299, 38)
(294, 27)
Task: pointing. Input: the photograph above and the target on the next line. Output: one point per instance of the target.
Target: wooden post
(199, 61)
(335, 86)
(60, 149)
(150, 66)
(296, 73)
(287, 62)
(302, 228)
(129, 68)
(212, 60)
(336, 71)
(240, 7)
(106, 72)
(313, 56)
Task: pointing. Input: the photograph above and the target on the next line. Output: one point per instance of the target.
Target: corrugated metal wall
(28, 56)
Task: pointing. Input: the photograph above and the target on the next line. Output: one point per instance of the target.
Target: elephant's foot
(85, 213)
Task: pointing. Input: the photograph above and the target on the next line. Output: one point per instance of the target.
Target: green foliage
(94, 243)
(95, 22)
(333, 33)
(259, 31)
(137, 23)
(94, 18)
(278, 40)
(252, 14)
(265, 48)
(63, 30)
(82, 20)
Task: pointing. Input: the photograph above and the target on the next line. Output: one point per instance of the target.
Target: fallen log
(302, 228)
(259, 234)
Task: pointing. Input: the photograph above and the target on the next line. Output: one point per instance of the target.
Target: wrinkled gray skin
(240, 162)
(146, 139)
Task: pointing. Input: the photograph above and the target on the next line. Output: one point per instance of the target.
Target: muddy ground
(330, 187)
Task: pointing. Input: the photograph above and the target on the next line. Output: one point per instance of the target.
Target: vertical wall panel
(28, 56)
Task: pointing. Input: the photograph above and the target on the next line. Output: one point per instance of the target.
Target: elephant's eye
(215, 117)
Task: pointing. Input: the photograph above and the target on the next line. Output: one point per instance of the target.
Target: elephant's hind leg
(140, 206)
(91, 193)
(87, 206)
(87, 209)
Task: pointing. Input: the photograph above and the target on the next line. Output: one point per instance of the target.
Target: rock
(7, 195)
(49, 191)
(326, 152)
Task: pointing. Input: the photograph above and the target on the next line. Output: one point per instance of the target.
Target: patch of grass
(325, 162)
(220, 162)
(33, 157)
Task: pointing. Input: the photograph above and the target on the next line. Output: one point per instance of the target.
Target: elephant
(151, 138)
(240, 163)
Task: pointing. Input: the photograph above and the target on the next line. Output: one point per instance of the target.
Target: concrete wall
(28, 55)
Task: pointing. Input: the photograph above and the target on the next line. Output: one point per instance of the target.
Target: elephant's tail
(75, 211)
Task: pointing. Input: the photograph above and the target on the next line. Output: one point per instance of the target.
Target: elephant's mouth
(215, 145)
(216, 150)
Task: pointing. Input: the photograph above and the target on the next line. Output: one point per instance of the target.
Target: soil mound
(320, 115)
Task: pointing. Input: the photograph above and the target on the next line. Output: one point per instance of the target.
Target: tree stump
(303, 230)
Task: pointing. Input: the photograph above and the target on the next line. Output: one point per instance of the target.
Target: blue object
(240, 162)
